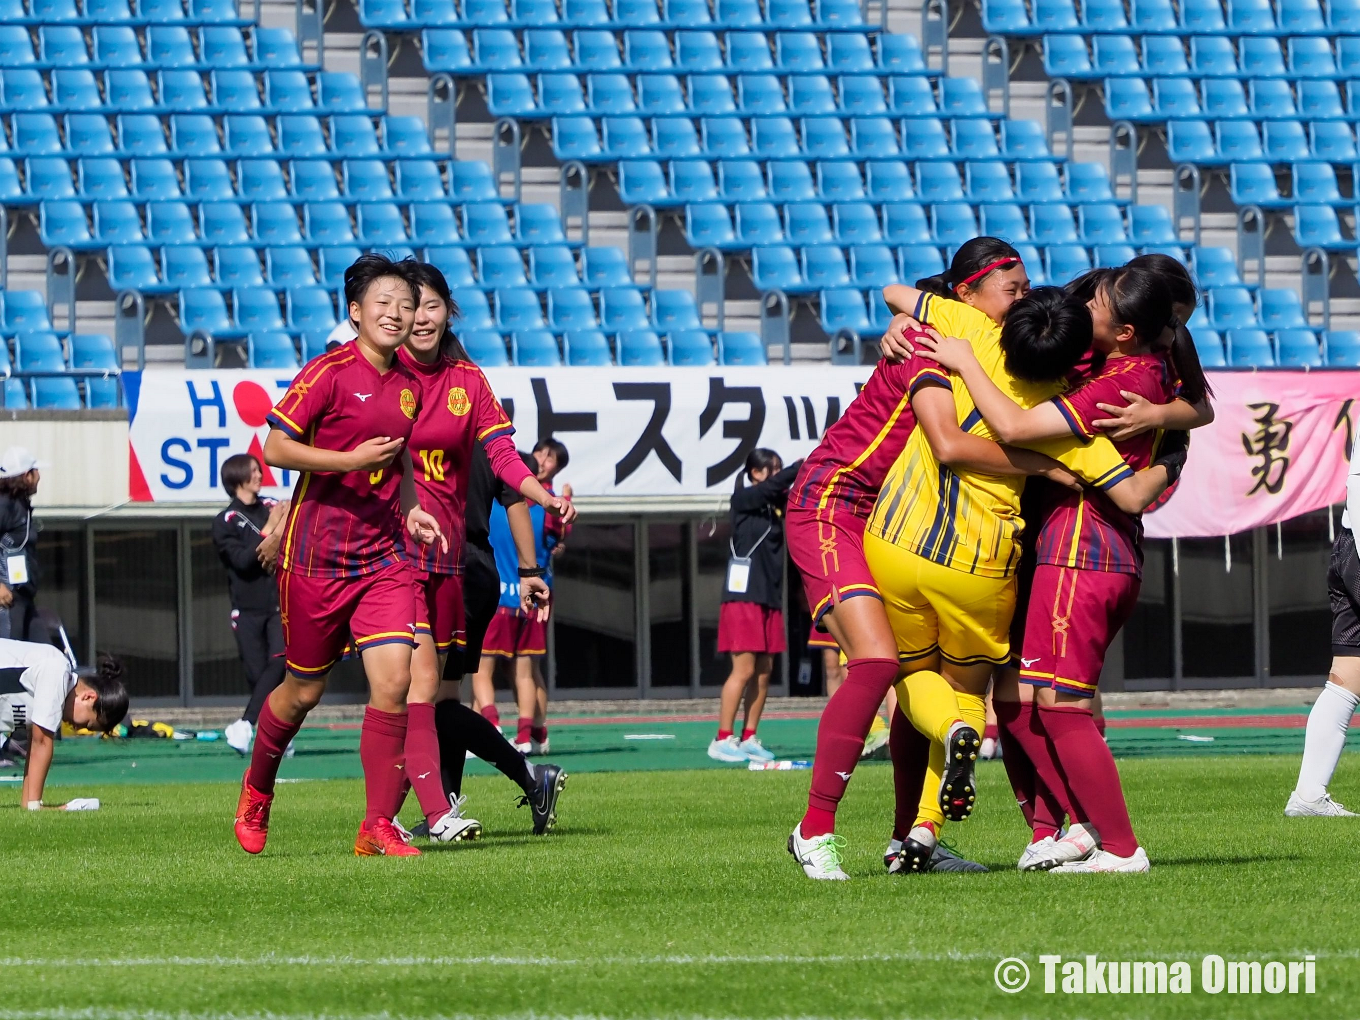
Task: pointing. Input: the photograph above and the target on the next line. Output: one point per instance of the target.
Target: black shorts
(1343, 592)
(481, 595)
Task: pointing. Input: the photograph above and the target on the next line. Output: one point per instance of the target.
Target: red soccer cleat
(252, 817)
(381, 839)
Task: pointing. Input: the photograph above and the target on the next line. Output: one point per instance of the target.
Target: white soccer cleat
(454, 828)
(727, 749)
(890, 854)
(1077, 843)
(820, 857)
(521, 748)
(1323, 807)
(539, 747)
(239, 735)
(1104, 862)
(1037, 856)
(755, 750)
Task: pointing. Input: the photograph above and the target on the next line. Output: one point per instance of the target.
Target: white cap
(17, 461)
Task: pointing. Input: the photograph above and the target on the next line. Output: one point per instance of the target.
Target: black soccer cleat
(958, 788)
(912, 859)
(543, 800)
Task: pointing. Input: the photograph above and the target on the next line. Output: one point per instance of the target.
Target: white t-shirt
(34, 682)
(1350, 515)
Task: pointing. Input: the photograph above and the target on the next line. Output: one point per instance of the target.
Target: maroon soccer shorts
(827, 546)
(1073, 616)
(821, 639)
(320, 613)
(439, 609)
(750, 627)
(513, 633)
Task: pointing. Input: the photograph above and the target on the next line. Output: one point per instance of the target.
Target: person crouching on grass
(344, 425)
(750, 620)
(39, 687)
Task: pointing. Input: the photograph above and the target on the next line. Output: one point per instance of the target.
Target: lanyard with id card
(16, 566)
(739, 567)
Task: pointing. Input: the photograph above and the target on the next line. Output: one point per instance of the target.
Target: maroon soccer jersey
(457, 409)
(852, 460)
(1086, 530)
(346, 524)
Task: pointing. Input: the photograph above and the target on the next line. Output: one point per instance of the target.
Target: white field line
(103, 1013)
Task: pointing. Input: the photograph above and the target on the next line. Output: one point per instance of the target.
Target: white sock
(1324, 739)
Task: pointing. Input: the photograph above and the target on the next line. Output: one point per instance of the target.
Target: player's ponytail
(427, 275)
(111, 705)
(975, 260)
(1194, 384)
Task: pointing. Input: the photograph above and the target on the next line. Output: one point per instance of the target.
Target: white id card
(738, 574)
(17, 566)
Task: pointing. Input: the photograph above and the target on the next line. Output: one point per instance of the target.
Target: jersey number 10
(433, 463)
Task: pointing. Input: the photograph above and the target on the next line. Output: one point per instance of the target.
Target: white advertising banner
(630, 431)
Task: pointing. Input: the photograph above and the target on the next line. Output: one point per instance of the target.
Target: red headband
(1009, 260)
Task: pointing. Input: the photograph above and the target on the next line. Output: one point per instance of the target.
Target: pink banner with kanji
(1279, 447)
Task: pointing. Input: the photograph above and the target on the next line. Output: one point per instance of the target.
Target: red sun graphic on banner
(253, 403)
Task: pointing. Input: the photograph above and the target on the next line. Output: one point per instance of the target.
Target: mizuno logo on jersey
(1027, 663)
(363, 396)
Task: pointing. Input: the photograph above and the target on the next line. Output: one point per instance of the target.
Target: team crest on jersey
(459, 401)
(408, 403)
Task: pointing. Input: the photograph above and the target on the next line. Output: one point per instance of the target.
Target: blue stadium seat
(64, 223)
(597, 50)
(561, 94)
(185, 266)
(1261, 57)
(485, 347)
(518, 308)
(741, 181)
(904, 223)
(25, 311)
(775, 267)
(1164, 56)
(1111, 255)
(535, 347)
(1052, 224)
(622, 308)
(640, 347)
(691, 347)
(42, 352)
(1247, 17)
(658, 94)
(708, 226)
(774, 138)
(975, 139)
(807, 223)
(236, 267)
(49, 178)
(203, 309)
(575, 138)
(1231, 308)
(222, 223)
(888, 181)
(365, 180)
(257, 309)
(88, 134)
(838, 182)
(1209, 347)
(1331, 141)
(849, 53)
(855, 223)
(1213, 55)
(72, 89)
(824, 266)
(1104, 16)
(724, 136)
(23, 89)
(1215, 267)
(1191, 141)
(1280, 308)
(1319, 100)
(698, 52)
(647, 50)
(310, 308)
(1101, 224)
(1127, 99)
(710, 94)
(1055, 16)
(1005, 16)
(873, 265)
(94, 351)
(454, 263)
(790, 182)
(1154, 16)
(501, 266)
(1066, 56)
(912, 97)
(1065, 262)
(587, 347)
(1343, 348)
(952, 223)
(643, 182)
(741, 349)
(510, 95)
(674, 309)
(1298, 348)
(1254, 184)
(1250, 348)
(1311, 57)
(1114, 56)
(675, 138)
(380, 224)
(761, 94)
(1283, 140)
(471, 181)
(537, 223)
(1203, 16)
(1150, 226)
(312, 181)
(170, 223)
(485, 223)
(605, 267)
(1315, 183)
(844, 309)
(274, 223)
(133, 267)
(1004, 220)
(1224, 98)
(1175, 98)
(270, 349)
(289, 267)
(1318, 226)
(117, 223)
(919, 261)
(938, 182)
(1023, 140)
(445, 49)
(625, 137)
(924, 139)
(474, 310)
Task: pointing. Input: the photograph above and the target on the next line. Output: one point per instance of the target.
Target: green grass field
(661, 894)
